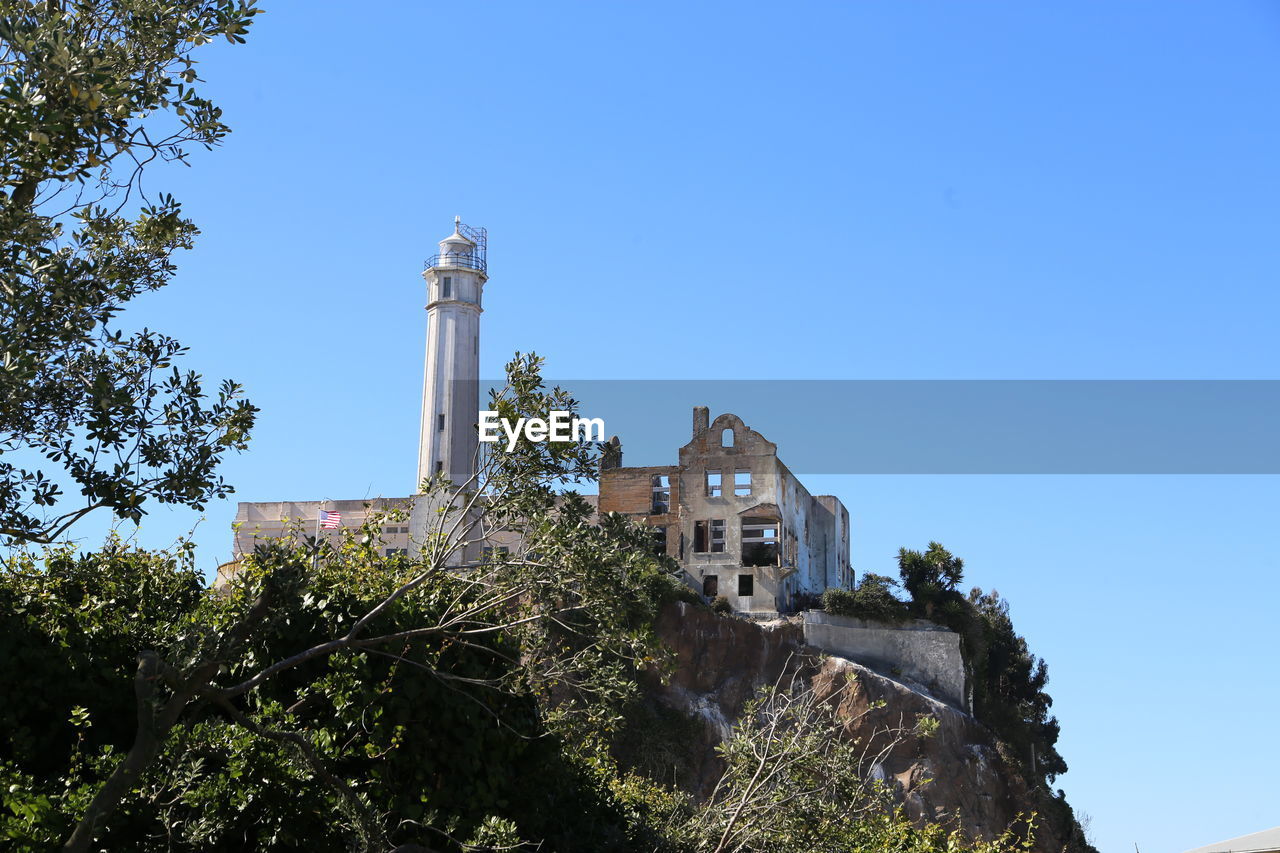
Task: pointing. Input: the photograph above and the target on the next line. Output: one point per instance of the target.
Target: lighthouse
(455, 279)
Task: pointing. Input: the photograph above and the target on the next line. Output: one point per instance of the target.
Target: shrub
(839, 601)
(721, 605)
(873, 599)
(679, 591)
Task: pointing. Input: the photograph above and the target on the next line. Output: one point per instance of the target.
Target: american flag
(330, 520)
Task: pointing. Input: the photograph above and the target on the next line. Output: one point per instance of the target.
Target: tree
(92, 92)
(1007, 682)
(931, 576)
(1009, 688)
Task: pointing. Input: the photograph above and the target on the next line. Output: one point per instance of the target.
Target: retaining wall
(917, 650)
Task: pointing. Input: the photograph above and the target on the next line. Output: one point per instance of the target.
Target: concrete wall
(260, 521)
(919, 651)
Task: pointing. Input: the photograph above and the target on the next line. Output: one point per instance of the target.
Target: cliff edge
(956, 776)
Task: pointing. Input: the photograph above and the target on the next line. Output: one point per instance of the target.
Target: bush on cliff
(1007, 680)
(873, 599)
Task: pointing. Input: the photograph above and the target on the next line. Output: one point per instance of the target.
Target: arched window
(726, 438)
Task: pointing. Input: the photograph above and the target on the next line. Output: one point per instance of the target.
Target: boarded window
(742, 481)
(714, 486)
(711, 586)
(746, 585)
(661, 502)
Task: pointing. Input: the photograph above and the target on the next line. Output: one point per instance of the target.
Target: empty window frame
(714, 487)
(489, 554)
(440, 422)
(446, 287)
(717, 536)
(746, 585)
(711, 586)
(726, 438)
(661, 491)
(759, 541)
(659, 535)
(708, 536)
(397, 552)
(742, 482)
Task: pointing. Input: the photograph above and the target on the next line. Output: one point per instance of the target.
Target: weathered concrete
(918, 651)
(776, 542)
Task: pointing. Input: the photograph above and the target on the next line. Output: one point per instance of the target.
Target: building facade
(740, 524)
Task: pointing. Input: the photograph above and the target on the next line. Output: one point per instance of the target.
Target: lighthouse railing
(456, 260)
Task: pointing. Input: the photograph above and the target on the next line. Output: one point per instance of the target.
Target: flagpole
(315, 558)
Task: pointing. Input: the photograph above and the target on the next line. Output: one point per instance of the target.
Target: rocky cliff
(956, 776)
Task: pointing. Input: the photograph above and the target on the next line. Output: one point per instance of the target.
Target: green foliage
(680, 591)
(90, 93)
(1009, 686)
(71, 628)
(873, 599)
(929, 577)
(442, 731)
(658, 743)
(721, 605)
(1007, 681)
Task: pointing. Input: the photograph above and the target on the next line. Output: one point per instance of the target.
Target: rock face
(955, 777)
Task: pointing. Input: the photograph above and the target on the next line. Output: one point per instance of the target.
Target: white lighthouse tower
(451, 386)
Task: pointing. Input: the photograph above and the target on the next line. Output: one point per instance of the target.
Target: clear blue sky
(981, 190)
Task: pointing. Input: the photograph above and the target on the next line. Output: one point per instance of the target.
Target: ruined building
(737, 520)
